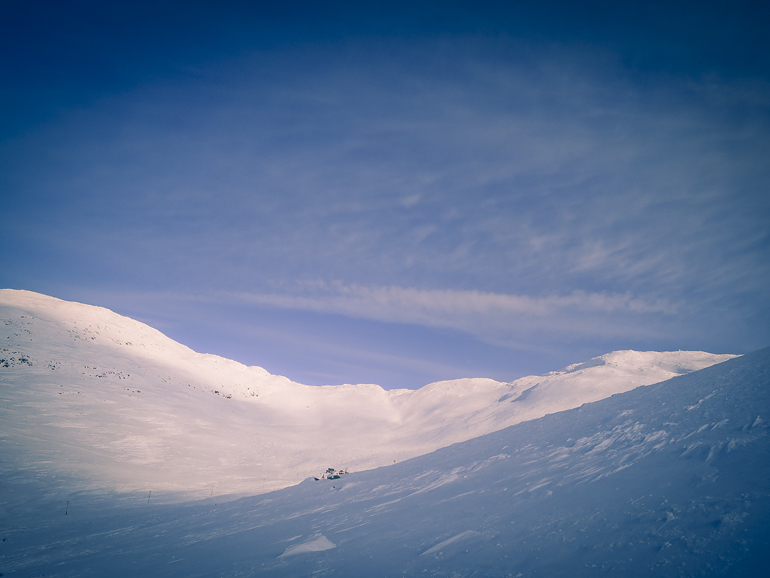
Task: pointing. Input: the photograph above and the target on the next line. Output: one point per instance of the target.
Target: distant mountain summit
(94, 399)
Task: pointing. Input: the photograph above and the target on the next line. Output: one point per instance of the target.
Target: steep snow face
(101, 400)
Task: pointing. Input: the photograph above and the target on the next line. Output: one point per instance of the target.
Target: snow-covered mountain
(98, 400)
(669, 480)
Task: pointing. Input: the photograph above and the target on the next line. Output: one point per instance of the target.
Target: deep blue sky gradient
(394, 194)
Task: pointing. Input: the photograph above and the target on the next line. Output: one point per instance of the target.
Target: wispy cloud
(458, 168)
(490, 316)
(408, 304)
(518, 194)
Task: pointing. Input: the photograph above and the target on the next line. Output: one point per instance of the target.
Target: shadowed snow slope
(666, 480)
(98, 400)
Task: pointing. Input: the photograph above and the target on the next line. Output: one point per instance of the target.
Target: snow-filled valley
(105, 401)
(122, 453)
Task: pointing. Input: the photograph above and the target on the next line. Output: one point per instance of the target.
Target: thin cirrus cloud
(489, 316)
(376, 169)
(519, 193)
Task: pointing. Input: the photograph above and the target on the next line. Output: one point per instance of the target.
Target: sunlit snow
(667, 480)
(123, 453)
(102, 401)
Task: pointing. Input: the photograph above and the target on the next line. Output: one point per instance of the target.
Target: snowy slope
(669, 480)
(99, 400)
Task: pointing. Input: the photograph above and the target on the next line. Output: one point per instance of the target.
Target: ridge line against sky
(395, 193)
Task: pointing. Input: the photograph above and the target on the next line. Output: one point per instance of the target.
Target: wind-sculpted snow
(668, 480)
(98, 400)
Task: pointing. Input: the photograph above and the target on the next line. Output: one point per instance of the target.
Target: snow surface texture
(97, 400)
(669, 480)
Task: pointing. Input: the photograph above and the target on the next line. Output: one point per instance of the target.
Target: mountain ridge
(669, 480)
(159, 415)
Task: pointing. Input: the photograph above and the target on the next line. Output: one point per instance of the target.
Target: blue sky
(394, 194)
